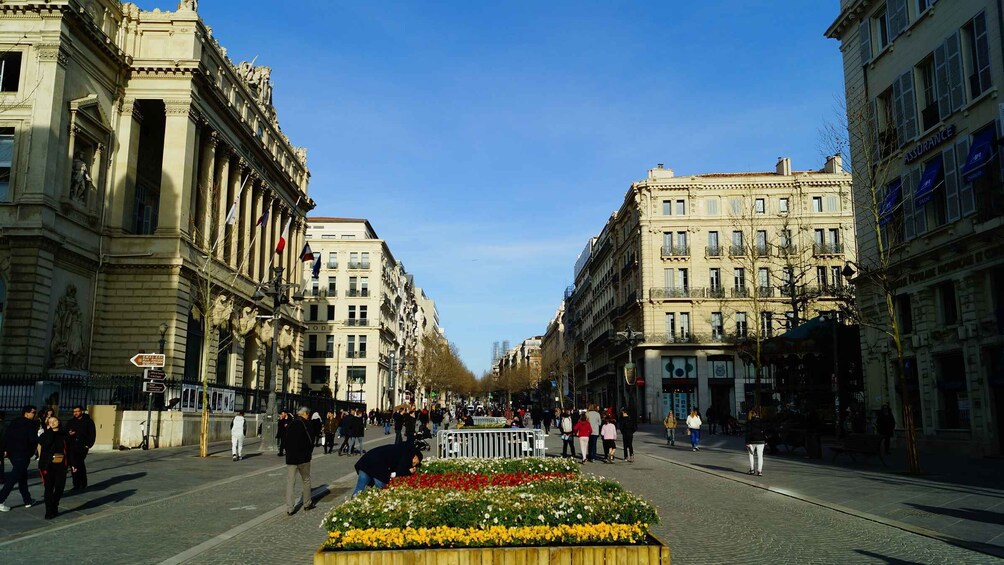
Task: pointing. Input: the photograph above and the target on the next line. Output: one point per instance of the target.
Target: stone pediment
(88, 108)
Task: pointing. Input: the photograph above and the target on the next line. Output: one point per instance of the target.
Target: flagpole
(284, 230)
(223, 229)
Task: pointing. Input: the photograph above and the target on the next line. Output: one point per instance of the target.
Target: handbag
(688, 431)
(58, 458)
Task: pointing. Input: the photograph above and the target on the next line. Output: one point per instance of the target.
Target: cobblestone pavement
(171, 507)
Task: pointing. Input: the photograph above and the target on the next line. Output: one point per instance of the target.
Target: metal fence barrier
(489, 420)
(511, 443)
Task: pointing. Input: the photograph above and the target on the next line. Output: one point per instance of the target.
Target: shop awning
(892, 194)
(980, 154)
(928, 183)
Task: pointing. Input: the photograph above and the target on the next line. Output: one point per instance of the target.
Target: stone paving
(168, 506)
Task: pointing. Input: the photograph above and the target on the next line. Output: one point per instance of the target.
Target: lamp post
(913, 456)
(278, 291)
(632, 338)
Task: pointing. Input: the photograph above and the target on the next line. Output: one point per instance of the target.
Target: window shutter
(909, 101)
(906, 194)
(941, 81)
(831, 204)
(951, 184)
(668, 278)
(897, 109)
(967, 202)
(955, 74)
(919, 212)
(712, 206)
(873, 131)
(898, 18)
(865, 41)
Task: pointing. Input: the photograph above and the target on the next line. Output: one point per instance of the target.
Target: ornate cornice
(52, 52)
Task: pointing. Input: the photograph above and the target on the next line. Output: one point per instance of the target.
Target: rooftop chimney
(784, 166)
(660, 172)
(659, 165)
(834, 164)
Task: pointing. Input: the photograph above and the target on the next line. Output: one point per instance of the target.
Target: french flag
(263, 218)
(282, 238)
(306, 254)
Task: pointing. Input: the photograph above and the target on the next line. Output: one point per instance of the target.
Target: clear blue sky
(487, 141)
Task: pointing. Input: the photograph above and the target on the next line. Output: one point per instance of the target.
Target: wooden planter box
(653, 553)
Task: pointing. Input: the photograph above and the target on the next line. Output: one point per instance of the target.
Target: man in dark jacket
(409, 428)
(355, 428)
(398, 425)
(299, 445)
(280, 431)
(21, 440)
(383, 463)
(81, 434)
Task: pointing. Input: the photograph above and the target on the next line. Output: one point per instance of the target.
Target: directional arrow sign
(154, 374)
(154, 387)
(149, 359)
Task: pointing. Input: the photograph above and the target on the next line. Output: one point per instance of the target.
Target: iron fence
(490, 444)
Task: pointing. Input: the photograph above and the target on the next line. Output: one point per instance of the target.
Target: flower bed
(470, 481)
(494, 466)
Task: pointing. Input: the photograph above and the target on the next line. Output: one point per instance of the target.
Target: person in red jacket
(583, 430)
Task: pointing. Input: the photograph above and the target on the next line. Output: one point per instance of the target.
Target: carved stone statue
(265, 333)
(188, 5)
(67, 347)
(223, 308)
(286, 338)
(247, 321)
(80, 183)
(263, 80)
(244, 70)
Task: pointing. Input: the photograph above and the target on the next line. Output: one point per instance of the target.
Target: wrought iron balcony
(716, 292)
(676, 251)
(355, 354)
(318, 354)
(742, 292)
(764, 291)
(785, 250)
(355, 292)
(736, 251)
(358, 265)
(357, 322)
(827, 248)
(713, 251)
(762, 251)
(669, 292)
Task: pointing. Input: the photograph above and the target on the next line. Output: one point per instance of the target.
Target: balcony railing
(827, 248)
(762, 251)
(359, 265)
(351, 354)
(318, 354)
(736, 251)
(679, 337)
(676, 251)
(785, 250)
(333, 265)
(739, 292)
(713, 251)
(716, 292)
(353, 292)
(764, 291)
(357, 322)
(670, 292)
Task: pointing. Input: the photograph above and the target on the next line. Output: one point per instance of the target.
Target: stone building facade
(364, 316)
(694, 267)
(922, 81)
(132, 149)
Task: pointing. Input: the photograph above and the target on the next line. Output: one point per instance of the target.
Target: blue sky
(487, 141)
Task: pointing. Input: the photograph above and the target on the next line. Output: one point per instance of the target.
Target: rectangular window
(785, 239)
(976, 53)
(737, 243)
(332, 286)
(351, 346)
(947, 303)
(711, 206)
(320, 375)
(10, 71)
(353, 286)
(312, 342)
(739, 277)
(682, 280)
(953, 393)
(681, 207)
(356, 375)
(761, 206)
(715, 279)
(328, 236)
(313, 312)
(667, 207)
(767, 324)
(884, 114)
(364, 286)
(929, 114)
(836, 278)
(670, 327)
(681, 243)
(904, 313)
(365, 258)
(761, 243)
(741, 328)
(669, 278)
(714, 250)
(789, 320)
(880, 23)
(782, 205)
(315, 288)
(716, 326)
(763, 281)
(352, 314)
(736, 206)
(353, 260)
(821, 277)
(331, 312)
(362, 314)
(362, 346)
(6, 162)
(817, 203)
(684, 326)
(332, 260)
(819, 237)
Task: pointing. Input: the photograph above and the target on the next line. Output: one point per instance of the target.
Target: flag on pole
(263, 218)
(306, 254)
(232, 214)
(282, 237)
(315, 270)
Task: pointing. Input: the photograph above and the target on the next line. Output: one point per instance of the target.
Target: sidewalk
(957, 500)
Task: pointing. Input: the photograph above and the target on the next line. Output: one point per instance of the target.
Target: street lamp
(881, 276)
(278, 291)
(632, 338)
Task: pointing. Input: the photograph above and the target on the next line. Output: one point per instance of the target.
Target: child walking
(608, 431)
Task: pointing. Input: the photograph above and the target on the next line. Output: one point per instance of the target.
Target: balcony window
(760, 206)
(714, 249)
(717, 328)
(10, 71)
(929, 115)
(315, 288)
(685, 326)
(948, 306)
(312, 313)
(715, 279)
(320, 375)
(332, 286)
(670, 326)
(782, 205)
(741, 327)
(817, 203)
(976, 47)
(6, 162)
(331, 312)
(761, 243)
(739, 277)
(767, 324)
(332, 260)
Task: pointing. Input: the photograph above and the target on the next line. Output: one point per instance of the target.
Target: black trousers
(78, 468)
(18, 474)
(628, 445)
(329, 442)
(568, 445)
(54, 481)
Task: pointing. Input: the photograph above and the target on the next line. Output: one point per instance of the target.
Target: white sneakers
(4, 508)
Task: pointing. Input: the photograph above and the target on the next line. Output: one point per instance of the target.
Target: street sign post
(144, 360)
(154, 387)
(153, 382)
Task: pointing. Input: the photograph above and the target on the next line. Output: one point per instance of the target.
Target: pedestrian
(318, 426)
(609, 433)
(381, 464)
(886, 427)
(398, 425)
(409, 427)
(712, 415)
(343, 432)
(436, 417)
(355, 428)
(583, 431)
(299, 444)
(756, 440)
(595, 421)
(670, 424)
(628, 427)
(330, 427)
(280, 431)
(238, 429)
(567, 439)
(21, 440)
(694, 429)
(82, 433)
(52, 461)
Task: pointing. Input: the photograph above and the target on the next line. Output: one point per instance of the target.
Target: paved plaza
(169, 506)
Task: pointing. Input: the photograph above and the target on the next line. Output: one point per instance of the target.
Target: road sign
(149, 359)
(154, 374)
(154, 387)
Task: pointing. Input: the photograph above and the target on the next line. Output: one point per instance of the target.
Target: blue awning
(980, 154)
(892, 193)
(928, 182)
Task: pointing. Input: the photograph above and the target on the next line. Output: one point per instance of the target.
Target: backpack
(566, 425)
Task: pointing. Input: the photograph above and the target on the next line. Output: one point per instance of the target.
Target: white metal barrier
(509, 443)
(489, 420)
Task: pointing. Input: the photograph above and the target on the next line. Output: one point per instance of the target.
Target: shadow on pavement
(720, 468)
(106, 499)
(886, 559)
(102, 485)
(971, 514)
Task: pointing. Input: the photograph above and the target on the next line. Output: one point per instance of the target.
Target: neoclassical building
(136, 161)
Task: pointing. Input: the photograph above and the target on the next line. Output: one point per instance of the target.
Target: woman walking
(583, 430)
(608, 431)
(628, 427)
(755, 441)
(670, 424)
(52, 465)
(694, 429)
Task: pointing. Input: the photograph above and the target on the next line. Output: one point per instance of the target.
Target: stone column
(223, 201)
(239, 243)
(50, 76)
(123, 192)
(256, 232)
(206, 193)
(176, 185)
